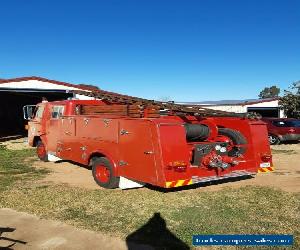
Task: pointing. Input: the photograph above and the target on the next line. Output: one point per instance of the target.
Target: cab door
(136, 151)
(53, 127)
(36, 126)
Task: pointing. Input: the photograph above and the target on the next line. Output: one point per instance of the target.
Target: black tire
(41, 151)
(110, 181)
(237, 139)
(273, 139)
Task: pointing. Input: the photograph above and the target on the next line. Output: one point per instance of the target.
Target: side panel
(97, 128)
(174, 148)
(67, 131)
(261, 146)
(136, 151)
(83, 136)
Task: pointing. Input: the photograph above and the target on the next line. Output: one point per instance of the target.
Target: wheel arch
(36, 139)
(99, 153)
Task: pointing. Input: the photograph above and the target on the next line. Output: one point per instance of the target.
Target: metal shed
(266, 107)
(18, 92)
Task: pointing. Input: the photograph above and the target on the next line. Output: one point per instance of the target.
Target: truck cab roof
(76, 102)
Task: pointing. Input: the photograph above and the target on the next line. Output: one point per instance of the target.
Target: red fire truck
(131, 144)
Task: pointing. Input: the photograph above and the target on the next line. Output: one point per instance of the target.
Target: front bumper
(289, 137)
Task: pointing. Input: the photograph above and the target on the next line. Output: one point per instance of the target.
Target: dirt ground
(286, 159)
(15, 144)
(25, 231)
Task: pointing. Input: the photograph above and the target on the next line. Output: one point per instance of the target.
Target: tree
(269, 92)
(290, 102)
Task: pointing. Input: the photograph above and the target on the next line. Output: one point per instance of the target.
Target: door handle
(124, 132)
(148, 152)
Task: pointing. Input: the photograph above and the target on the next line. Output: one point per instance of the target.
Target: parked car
(282, 129)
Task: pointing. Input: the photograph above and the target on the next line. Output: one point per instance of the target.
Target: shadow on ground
(156, 235)
(12, 241)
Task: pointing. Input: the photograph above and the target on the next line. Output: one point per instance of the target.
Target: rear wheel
(273, 139)
(103, 173)
(41, 151)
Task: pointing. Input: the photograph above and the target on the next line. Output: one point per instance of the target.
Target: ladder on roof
(172, 108)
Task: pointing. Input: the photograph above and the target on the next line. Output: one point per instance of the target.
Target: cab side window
(57, 111)
(39, 112)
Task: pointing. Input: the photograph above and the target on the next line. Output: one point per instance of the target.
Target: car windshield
(294, 123)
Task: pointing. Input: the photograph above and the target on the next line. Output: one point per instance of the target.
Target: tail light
(178, 166)
(291, 130)
(266, 158)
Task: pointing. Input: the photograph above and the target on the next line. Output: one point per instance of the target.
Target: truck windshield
(294, 123)
(29, 111)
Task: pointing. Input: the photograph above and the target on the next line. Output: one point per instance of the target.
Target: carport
(12, 102)
(265, 111)
(18, 92)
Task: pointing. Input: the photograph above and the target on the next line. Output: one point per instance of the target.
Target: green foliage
(15, 167)
(290, 102)
(246, 210)
(269, 92)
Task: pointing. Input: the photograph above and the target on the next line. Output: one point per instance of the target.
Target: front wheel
(273, 139)
(103, 173)
(41, 151)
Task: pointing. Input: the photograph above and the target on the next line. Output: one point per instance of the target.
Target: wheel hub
(102, 173)
(41, 151)
(272, 139)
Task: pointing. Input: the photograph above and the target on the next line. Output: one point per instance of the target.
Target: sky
(157, 49)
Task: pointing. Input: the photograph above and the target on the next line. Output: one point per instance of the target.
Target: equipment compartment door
(136, 155)
(65, 143)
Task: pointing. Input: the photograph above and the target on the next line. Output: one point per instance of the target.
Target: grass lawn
(248, 210)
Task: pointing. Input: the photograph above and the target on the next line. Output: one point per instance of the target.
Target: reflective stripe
(265, 170)
(178, 183)
(168, 184)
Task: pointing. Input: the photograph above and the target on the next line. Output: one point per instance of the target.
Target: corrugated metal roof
(230, 102)
(41, 79)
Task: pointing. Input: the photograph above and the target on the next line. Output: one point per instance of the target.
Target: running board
(233, 174)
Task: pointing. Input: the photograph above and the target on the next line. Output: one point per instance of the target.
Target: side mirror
(28, 112)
